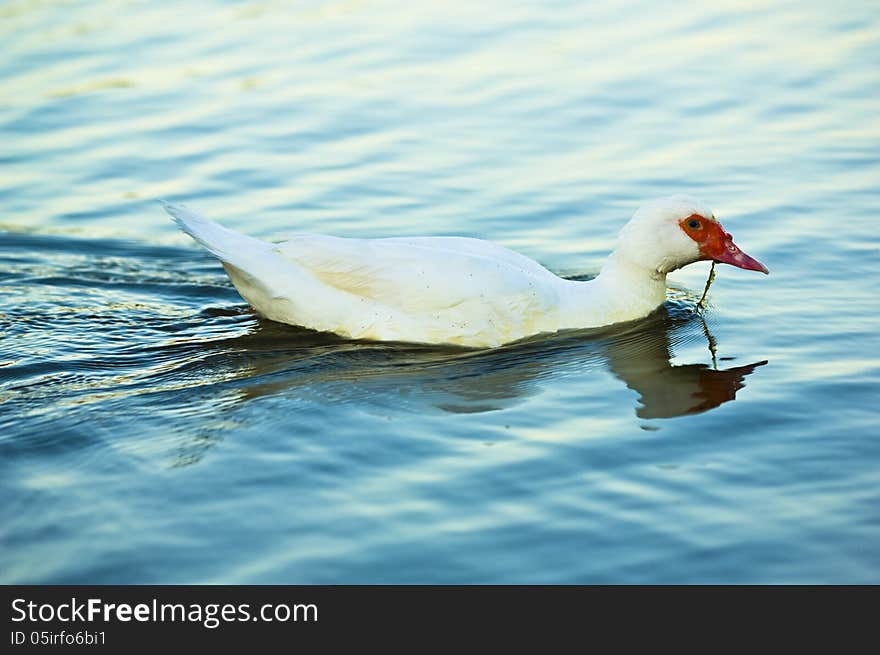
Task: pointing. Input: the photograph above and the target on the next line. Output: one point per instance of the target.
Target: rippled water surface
(153, 430)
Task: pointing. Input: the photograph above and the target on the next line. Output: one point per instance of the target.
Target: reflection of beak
(722, 249)
(717, 387)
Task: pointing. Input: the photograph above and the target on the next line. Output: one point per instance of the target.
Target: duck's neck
(623, 291)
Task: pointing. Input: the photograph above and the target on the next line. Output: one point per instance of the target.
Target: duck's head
(672, 232)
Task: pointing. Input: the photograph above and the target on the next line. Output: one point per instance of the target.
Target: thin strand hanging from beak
(713, 347)
(708, 284)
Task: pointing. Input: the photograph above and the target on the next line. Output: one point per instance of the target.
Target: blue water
(153, 430)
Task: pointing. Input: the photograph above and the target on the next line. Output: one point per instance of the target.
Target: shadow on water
(285, 360)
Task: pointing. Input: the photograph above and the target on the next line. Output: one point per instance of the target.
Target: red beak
(719, 246)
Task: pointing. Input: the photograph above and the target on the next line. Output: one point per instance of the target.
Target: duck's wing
(430, 289)
(434, 289)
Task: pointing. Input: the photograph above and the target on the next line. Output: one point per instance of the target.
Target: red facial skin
(716, 244)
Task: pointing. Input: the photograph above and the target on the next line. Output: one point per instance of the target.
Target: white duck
(457, 290)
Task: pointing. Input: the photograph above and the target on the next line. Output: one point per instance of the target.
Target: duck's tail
(227, 245)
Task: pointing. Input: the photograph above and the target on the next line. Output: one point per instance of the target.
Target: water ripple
(152, 429)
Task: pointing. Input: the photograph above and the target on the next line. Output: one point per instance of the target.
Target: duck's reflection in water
(283, 360)
(667, 390)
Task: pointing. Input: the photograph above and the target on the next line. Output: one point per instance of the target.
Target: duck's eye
(693, 224)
